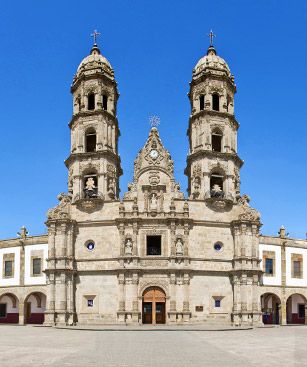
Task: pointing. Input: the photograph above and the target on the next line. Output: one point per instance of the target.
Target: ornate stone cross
(211, 35)
(95, 34)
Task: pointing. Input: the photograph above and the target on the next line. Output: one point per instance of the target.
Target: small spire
(95, 47)
(211, 49)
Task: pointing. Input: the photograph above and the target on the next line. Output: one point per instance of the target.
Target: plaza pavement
(115, 347)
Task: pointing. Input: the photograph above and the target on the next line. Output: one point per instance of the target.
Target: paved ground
(38, 346)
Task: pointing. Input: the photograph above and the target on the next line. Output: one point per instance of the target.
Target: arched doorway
(296, 309)
(270, 305)
(35, 305)
(9, 309)
(153, 306)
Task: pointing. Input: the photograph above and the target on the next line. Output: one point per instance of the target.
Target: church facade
(155, 256)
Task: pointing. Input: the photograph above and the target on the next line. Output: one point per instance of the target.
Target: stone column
(283, 319)
(173, 238)
(70, 299)
(236, 300)
(135, 236)
(50, 310)
(21, 310)
(22, 265)
(172, 292)
(61, 299)
(186, 301)
(121, 314)
(69, 241)
(135, 302)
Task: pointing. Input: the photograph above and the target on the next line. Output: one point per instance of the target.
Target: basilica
(156, 255)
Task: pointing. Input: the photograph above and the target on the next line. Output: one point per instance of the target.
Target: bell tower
(213, 165)
(94, 163)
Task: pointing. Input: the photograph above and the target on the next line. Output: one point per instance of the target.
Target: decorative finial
(95, 34)
(154, 121)
(211, 35)
(22, 235)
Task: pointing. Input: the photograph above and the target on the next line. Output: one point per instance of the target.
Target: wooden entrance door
(154, 306)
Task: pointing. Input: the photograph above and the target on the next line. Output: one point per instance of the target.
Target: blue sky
(153, 47)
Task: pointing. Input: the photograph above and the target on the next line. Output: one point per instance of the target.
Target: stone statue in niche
(154, 202)
(128, 247)
(217, 192)
(90, 188)
(179, 247)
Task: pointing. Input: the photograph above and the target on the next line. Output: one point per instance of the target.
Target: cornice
(215, 155)
(97, 112)
(81, 157)
(30, 240)
(98, 75)
(205, 75)
(222, 114)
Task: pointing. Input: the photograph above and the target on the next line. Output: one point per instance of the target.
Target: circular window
(90, 245)
(218, 246)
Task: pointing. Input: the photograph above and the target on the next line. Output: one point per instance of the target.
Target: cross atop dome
(95, 48)
(211, 49)
(95, 34)
(211, 35)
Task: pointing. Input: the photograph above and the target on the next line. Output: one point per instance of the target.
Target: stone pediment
(153, 168)
(153, 156)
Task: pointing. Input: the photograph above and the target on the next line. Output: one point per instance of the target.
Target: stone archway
(271, 308)
(153, 306)
(296, 304)
(35, 305)
(9, 308)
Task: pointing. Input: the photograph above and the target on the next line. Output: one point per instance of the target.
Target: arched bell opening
(90, 140)
(153, 306)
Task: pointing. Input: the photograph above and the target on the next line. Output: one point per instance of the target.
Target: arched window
(90, 185)
(201, 102)
(216, 140)
(91, 101)
(105, 102)
(216, 185)
(215, 102)
(90, 141)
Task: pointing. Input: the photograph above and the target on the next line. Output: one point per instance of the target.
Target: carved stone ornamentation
(111, 181)
(62, 210)
(247, 212)
(132, 191)
(154, 178)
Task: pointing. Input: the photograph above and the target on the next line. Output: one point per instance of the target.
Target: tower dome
(211, 63)
(95, 62)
